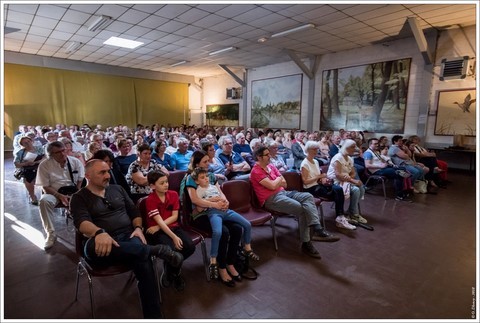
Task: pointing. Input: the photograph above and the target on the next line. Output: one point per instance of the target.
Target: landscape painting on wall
(369, 97)
(456, 113)
(222, 115)
(276, 102)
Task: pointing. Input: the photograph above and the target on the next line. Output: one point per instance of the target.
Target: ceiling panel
(188, 31)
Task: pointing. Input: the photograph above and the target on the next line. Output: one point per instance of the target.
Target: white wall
(215, 92)
(452, 43)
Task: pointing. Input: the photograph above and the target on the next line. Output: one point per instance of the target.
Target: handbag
(19, 173)
(69, 189)
(421, 186)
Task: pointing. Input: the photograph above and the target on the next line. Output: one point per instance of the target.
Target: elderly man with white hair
(181, 158)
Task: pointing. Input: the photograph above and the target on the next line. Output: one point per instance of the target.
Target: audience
(269, 186)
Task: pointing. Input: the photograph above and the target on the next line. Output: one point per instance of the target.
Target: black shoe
(175, 259)
(404, 198)
(213, 270)
(309, 249)
(324, 235)
(179, 283)
(229, 283)
(237, 278)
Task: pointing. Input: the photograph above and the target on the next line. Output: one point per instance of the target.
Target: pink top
(257, 175)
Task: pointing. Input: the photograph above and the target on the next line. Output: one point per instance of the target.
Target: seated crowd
(101, 174)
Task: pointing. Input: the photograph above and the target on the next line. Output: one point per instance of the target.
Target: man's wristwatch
(99, 231)
(138, 226)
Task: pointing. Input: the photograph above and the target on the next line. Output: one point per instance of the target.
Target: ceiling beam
(236, 78)
(300, 64)
(421, 40)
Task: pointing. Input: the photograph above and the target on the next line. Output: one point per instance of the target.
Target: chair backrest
(294, 181)
(175, 179)
(324, 169)
(142, 207)
(79, 242)
(234, 191)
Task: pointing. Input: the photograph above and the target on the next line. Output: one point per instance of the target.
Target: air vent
(454, 69)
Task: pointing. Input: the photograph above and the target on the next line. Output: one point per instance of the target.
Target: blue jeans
(217, 217)
(135, 253)
(300, 204)
(355, 194)
(390, 172)
(416, 171)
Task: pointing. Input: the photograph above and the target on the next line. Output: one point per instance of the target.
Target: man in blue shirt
(181, 158)
(236, 166)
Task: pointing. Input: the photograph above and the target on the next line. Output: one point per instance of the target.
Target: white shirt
(313, 170)
(50, 173)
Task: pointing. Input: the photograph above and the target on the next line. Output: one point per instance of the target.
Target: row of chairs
(245, 204)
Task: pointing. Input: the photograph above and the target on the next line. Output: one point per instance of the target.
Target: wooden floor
(418, 263)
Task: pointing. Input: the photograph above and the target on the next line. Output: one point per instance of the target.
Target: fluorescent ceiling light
(99, 23)
(179, 63)
(223, 50)
(122, 42)
(73, 47)
(293, 30)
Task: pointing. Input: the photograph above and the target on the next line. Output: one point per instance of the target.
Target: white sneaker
(50, 241)
(342, 222)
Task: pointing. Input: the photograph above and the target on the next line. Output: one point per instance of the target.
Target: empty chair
(376, 179)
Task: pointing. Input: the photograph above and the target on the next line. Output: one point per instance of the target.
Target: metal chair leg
(273, 220)
(206, 262)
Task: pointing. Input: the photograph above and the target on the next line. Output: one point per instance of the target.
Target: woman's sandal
(252, 255)
(213, 270)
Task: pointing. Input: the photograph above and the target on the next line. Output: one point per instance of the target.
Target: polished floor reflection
(418, 263)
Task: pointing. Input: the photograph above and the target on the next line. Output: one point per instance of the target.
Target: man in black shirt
(107, 216)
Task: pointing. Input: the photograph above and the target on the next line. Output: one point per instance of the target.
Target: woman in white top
(342, 172)
(319, 185)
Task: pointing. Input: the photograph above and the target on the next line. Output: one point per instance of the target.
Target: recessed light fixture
(223, 50)
(262, 39)
(293, 30)
(74, 46)
(122, 42)
(99, 23)
(179, 63)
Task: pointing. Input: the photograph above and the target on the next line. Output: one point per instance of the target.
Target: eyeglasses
(107, 203)
(58, 152)
(268, 154)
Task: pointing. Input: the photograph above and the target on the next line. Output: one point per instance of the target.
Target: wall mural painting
(276, 102)
(456, 113)
(369, 97)
(222, 115)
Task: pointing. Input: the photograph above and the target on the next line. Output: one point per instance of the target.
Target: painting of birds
(465, 106)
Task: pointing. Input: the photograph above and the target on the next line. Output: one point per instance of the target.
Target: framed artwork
(222, 115)
(456, 113)
(369, 97)
(276, 102)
